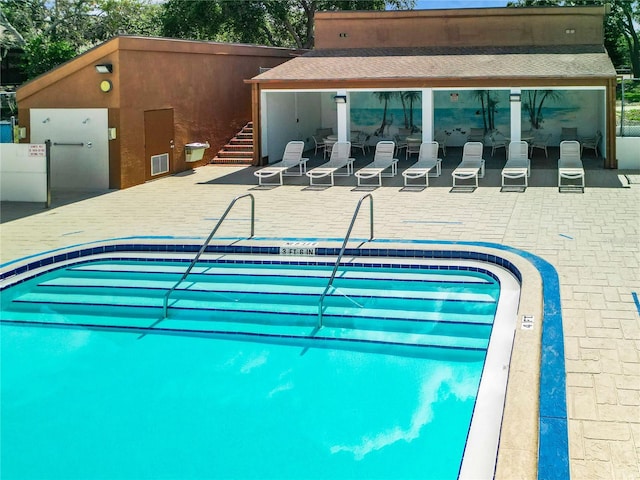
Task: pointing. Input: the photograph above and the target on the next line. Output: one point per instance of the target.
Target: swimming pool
(337, 422)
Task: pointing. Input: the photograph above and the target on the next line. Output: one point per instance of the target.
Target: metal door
(158, 142)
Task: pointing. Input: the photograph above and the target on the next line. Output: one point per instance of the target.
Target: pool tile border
(553, 442)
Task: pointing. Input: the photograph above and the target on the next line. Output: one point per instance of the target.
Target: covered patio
(525, 85)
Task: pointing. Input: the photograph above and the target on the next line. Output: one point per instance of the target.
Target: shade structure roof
(535, 62)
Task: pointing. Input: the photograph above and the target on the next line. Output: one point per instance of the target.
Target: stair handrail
(206, 244)
(344, 246)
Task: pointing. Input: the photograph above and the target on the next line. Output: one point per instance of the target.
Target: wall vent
(159, 164)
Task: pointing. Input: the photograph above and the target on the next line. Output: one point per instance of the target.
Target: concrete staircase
(239, 150)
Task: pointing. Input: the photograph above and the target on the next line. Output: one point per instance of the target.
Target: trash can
(195, 151)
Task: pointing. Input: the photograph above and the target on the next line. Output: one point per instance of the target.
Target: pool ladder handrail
(344, 246)
(206, 244)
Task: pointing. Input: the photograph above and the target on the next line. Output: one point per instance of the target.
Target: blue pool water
(240, 383)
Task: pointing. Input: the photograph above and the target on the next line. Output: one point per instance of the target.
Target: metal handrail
(206, 243)
(344, 246)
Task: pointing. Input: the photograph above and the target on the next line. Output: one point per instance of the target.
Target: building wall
(459, 28)
(203, 83)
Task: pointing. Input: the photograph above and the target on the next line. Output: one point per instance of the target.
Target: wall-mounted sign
(37, 150)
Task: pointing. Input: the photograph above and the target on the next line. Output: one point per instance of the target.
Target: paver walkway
(593, 240)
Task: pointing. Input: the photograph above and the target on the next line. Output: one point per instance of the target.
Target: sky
(427, 4)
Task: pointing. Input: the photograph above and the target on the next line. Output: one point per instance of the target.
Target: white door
(79, 146)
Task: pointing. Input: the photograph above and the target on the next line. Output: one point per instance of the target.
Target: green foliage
(41, 55)
(52, 32)
(126, 17)
(621, 37)
(631, 92)
(632, 116)
(283, 23)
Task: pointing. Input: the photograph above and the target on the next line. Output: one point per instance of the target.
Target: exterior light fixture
(514, 97)
(340, 98)
(106, 86)
(104, 68)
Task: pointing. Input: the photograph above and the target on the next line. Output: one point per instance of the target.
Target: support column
(515, 100)
(343, 116)
(259, 119)
(610, 160)
(427, 115)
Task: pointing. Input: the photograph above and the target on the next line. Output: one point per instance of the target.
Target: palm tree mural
(533, 102)
(492, 104)
(411, 97)
(480, 95)
(488, 104)
(383, 97)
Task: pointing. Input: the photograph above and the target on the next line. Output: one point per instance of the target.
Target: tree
(282, 23)
(626, 15)
(41, 55)
(52, 32)
(621, 36)
(126, 17)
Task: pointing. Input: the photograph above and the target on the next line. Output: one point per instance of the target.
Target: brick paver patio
(592, 239)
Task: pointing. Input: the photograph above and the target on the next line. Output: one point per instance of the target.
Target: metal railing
(344, 246)
(204, 246)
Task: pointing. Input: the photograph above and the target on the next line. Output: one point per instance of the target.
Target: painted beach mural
(383, 115)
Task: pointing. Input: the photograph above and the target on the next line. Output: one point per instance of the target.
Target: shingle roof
(446, 62)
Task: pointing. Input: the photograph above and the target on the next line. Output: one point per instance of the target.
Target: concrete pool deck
(592, 239)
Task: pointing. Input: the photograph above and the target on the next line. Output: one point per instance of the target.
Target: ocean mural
(386, 114)
(383, 115)
(456, 112)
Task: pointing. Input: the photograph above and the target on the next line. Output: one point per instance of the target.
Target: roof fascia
(598, 10)
(176, 45)
(412, 83)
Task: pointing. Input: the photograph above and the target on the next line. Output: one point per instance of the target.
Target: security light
(514, 97)
(340, 98)
(104, 68)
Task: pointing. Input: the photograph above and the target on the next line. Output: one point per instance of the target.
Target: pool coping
(525, 450)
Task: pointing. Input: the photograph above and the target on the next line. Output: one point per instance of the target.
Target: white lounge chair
(382, 161)
(472, 164)
(427, 161)
(518, 164)
(291, 159)
(339, 160)
(570, 165)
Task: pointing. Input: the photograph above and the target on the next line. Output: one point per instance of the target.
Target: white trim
(427, 114)
(264, 115)
(342, 114)
(445, 89)
(516, 117)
